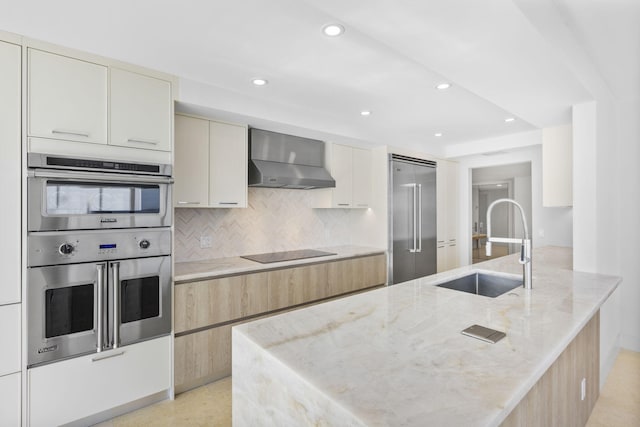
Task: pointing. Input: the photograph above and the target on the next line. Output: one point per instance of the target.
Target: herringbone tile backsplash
(276, 220)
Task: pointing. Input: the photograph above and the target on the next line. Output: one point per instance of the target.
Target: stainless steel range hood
(285, 161)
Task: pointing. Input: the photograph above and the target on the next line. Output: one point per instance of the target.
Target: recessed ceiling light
(439, 134)
(509, 119)
(443, 86)
(333, 30)
(498, 185)
(259, 82)
(365, 113)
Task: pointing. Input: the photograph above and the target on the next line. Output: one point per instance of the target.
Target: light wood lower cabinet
(208, 302)
(556, 399)
(205, 311)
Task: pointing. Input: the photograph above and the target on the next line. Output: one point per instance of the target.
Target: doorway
(490, 184)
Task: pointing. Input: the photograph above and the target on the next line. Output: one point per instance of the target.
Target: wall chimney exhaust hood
(277, 160)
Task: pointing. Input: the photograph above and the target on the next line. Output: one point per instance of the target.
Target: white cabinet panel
(342, 172)
(351, 168)
(67, 98)
(191, 188)
(228, 165)
(557, 166)
(77, 388)
(362, 178)
(140, 111)
(10, 332)
(10, 174)
(10, 396)
(447, 215)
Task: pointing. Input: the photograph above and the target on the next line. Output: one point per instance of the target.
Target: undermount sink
(488, 285)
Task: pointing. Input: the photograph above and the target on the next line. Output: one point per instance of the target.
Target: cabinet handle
(143, 141)
(344, 204)
(227, 203)
(188, 203)
(109, 356)
(440, 247)
(115, 269)
(70, 132)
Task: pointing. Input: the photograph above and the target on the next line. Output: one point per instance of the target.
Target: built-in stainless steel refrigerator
(412, 218)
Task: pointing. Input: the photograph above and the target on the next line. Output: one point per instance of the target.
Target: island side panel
(555, 400)
(266, 392)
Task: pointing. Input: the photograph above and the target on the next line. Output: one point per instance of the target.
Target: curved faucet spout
(525, 248)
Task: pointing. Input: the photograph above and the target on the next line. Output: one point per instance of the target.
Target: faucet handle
(523, 258)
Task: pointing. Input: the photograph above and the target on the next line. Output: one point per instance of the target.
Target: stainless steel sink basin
(484, 284)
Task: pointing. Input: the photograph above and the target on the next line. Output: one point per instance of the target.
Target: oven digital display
(108, 246)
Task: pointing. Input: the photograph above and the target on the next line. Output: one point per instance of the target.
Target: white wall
(550, 226)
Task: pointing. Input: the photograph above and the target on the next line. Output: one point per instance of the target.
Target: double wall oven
(98, 255)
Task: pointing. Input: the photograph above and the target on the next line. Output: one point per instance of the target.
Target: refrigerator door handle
(419, 218)
(415, 220)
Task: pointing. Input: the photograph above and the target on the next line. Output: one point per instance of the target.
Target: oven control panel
(55, 247)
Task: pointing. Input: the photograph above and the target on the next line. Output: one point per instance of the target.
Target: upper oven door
(92, 200)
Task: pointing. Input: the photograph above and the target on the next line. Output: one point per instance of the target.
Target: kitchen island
(395, 356)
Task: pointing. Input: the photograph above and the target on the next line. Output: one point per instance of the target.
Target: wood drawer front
(209, 302)
(355, 274)
(293, 286)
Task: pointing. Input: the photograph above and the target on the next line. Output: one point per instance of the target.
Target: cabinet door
(67, 98)
(228, 165)
(452, 202)
(141, 111)
(208, 302)
(362, 178)
(10, 331)
(10, 174)
(73, 389)
(441, 200)
(191, 188)
(10, 397)
(341, 171)
(293, 286)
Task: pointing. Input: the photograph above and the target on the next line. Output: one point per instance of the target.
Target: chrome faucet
(525, 248)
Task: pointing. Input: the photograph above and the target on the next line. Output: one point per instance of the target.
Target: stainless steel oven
(98, 255)
(82, 194)
(88, 291)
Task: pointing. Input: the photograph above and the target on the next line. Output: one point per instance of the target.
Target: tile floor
(210, 405)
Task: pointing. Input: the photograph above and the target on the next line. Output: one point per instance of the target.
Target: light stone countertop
(395, 356)
(220, 267)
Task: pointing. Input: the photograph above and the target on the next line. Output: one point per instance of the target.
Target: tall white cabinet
(10, 230)
(447, 215)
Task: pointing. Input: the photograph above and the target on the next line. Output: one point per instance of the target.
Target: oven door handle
(100, 305)
(115, 268)
(100, 176)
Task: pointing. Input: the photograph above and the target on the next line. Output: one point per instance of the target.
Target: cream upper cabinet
(191, 170)
(557, 166)
(228, 165)
(447, 215)
(351, 168)
(67, 98)
(341, 169)
(362, 178)
(210, 163)
(140, 111)
(10, 172)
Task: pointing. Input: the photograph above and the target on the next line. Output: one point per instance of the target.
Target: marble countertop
(209, 269)
(395, 356)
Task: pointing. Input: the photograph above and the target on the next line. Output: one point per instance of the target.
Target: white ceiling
(389, 61)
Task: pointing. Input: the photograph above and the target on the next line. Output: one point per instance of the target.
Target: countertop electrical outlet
(205, 242)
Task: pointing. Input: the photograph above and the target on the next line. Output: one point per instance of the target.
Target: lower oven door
(142, 290)
(63, 311)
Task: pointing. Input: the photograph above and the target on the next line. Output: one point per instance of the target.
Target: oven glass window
(68, 310)
(81, 198)
(139, 299)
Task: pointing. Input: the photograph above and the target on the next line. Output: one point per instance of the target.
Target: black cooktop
(286, 256)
